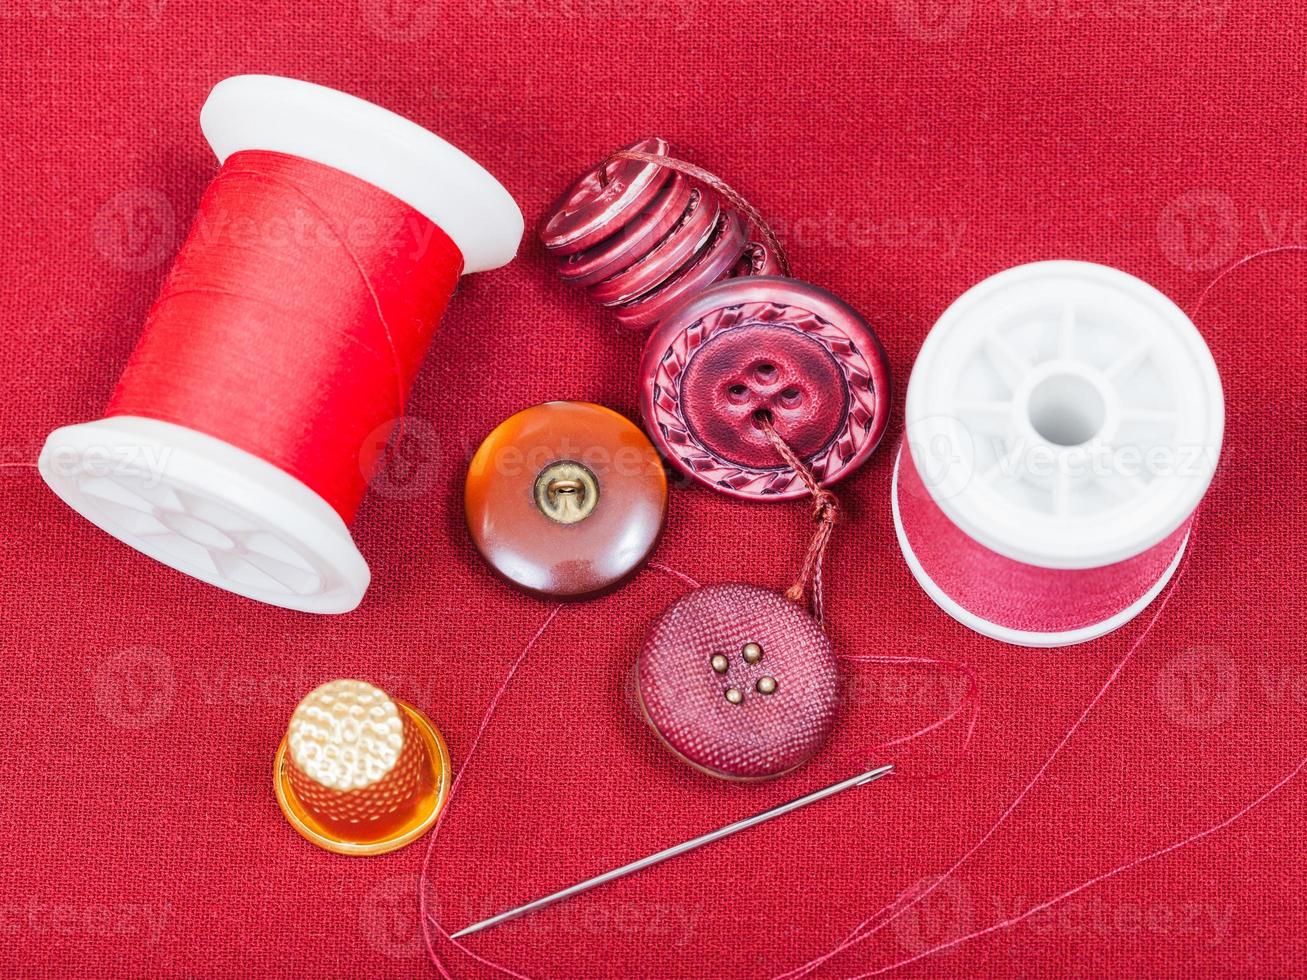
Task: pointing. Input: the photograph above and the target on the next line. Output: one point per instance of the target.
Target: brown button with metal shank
(566, 499)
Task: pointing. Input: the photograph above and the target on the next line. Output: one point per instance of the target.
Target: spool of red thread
(1063, 422)
(243, 431)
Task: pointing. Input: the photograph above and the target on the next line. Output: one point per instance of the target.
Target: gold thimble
(359, 772)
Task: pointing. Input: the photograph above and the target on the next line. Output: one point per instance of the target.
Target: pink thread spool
(1063, 422)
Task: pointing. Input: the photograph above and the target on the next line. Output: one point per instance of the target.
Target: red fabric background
(906, 150)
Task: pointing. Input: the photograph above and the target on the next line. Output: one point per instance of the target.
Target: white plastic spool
(1064, 415)
(203, 506)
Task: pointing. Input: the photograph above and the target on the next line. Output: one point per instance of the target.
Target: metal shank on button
(566, 492)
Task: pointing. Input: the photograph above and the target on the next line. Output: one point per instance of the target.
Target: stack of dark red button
(641, 237)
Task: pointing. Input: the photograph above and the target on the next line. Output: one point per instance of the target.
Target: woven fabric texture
(903, 150)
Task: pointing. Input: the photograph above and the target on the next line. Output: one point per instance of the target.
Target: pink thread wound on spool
(753, 642)
(1063, 422)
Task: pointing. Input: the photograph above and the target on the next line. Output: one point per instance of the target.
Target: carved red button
(637, 238)
(764, 346)
(598, 204)
(738, 681)
(688, 236)
(712, 262)
(565, 499)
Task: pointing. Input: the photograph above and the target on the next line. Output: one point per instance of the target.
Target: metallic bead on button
(752, 653)
(733, 695)
(720, 663)
(766, 685)
(727, 354)
(565, 499)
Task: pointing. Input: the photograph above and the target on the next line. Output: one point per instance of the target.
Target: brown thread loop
(825, 512)
(708, 179)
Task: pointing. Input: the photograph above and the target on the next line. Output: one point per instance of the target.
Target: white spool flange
(1064, 415)
(203, 506)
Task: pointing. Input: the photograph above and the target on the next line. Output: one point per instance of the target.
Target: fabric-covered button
(566, 499)
(768, 711)
(764, 346)
(598, 204)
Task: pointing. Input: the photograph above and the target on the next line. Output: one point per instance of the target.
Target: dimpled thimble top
(346, 735)
(360, 772)
(738, 681)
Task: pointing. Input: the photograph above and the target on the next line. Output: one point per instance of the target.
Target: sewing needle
(678, 849)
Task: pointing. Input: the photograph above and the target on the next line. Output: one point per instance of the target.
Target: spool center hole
(1066, 409)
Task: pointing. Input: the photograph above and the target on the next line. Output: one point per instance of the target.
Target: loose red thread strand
(708, 179)
(969, 702)
(888, 913)
(1240, 263)
(895, 909)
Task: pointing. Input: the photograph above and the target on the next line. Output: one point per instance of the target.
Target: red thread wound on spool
(342, 286)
